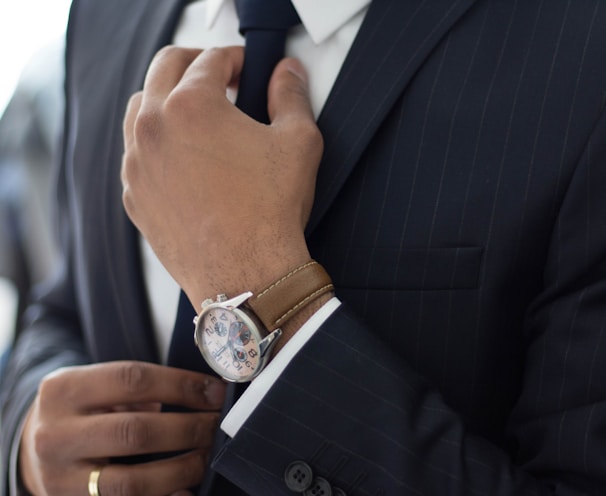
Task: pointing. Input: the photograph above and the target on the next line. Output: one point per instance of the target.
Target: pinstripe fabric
(468, 242)
(460, 210)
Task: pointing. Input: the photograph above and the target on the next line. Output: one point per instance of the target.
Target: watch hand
(220, 351)
(234, 350)
(234, 330)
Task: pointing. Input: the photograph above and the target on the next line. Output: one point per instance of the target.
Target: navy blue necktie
(264, 25)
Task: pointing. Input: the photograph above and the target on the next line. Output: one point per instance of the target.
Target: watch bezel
(254, 325)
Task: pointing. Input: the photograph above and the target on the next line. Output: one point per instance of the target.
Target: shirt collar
(321, 19)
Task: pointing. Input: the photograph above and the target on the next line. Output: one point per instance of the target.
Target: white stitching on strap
(304, 301)
(281, 280)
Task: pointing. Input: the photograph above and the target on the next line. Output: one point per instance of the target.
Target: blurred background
(31, 79)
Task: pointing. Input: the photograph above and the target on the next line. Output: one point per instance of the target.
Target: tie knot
(274, 15)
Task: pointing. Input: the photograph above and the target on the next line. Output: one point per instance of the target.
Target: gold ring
(93, 481)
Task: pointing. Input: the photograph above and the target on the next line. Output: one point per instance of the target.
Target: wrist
(246, 272)
(237, 334)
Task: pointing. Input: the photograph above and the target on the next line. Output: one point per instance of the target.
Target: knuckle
(307, 133)
(185, 101)
(178, 102)
(128, 202)
(186, 104)
(130, 170)
(216, 53)
(147, 126)
(134, 102)
(169, 57)
(48, 390)
(53, 387)
(133, 433)
(130, 178)
(134, 377)
(290, 86)
(168, 51)
(46, 445)
(192, 388)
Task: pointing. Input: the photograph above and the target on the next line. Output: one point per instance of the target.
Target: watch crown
(206, 302)
(221, 297)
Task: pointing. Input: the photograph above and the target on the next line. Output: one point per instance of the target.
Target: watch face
(229, 342)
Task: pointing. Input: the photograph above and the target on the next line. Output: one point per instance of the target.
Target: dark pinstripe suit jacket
(461, 211)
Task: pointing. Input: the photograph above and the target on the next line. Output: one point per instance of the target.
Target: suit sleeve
(364, 421)
(51, 338)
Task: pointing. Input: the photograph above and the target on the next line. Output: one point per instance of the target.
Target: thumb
(288, 93)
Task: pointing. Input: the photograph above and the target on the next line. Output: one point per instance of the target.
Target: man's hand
(222, 199)
(84, 416)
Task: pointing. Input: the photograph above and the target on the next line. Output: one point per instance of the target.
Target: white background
(26, 26)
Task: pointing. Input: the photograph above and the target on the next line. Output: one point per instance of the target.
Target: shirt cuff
(257, 390)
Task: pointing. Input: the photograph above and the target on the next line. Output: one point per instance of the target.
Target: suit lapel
(155, 23)
(394, 40)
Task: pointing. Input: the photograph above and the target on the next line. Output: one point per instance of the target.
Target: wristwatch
(235, 335)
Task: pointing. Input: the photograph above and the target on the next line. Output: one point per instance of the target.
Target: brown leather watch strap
(284, 298)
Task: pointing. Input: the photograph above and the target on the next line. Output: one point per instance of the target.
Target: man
(458, 208)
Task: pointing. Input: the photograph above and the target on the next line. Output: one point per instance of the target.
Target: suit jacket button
(319, 487)
(298, 476)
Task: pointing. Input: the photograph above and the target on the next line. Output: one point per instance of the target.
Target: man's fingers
(99, 387)
(164, 73)
(288, 96)
(152, 479)
(126, 434)
(214, 70)
(167, 69)
(137, 407)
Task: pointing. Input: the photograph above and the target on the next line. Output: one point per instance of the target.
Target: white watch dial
(229, 342)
